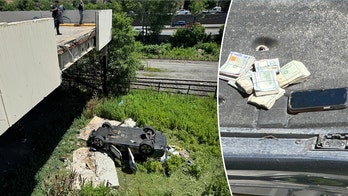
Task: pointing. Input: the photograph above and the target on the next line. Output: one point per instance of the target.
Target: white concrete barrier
(29, 69)
(104, 27)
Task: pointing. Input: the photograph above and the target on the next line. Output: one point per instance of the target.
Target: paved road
(171, 31)
(168, 30)
(183, 69)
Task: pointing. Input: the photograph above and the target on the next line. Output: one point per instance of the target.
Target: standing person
(61, 9)
(81, 10)
(55, 14)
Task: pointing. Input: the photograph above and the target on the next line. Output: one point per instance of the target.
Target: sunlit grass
(189, 122)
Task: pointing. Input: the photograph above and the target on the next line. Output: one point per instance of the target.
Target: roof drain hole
(261, 48)
(264, 43)
(221, 101)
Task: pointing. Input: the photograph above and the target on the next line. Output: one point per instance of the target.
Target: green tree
(45, 5)
(225, 4)
(212, 3)
(218, 38)
(196, 8)
(123, 58)
(26, 5)
(122, 61)
(2, 5)
(89, 5)
(153, 15)
(188, 37)
(10, 7)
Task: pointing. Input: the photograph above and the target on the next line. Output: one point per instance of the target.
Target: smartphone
(317, 100)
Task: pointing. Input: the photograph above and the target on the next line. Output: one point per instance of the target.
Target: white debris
(94, 124)
(129, 123)
(95, 167)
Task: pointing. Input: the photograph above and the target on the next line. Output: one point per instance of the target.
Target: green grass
(152, 69)
(189, 122)
(202, 52)
(150, 74)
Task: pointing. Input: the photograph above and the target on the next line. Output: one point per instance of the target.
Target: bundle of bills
(245, 83)
(226, 78)
(267, 64)
(292, 73)
(236, 65)
(266, 101)
(265, 82)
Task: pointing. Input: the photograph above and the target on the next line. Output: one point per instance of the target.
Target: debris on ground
(92, 165)
(129, 123)
(93, 125)
(177, 151)
(96, 164)
(95, 167)
(262, 80)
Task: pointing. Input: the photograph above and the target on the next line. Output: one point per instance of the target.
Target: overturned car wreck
(124, 142)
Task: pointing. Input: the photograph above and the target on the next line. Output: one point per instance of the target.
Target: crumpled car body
(145, 142)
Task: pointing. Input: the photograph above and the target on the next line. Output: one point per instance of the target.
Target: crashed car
(118, 140)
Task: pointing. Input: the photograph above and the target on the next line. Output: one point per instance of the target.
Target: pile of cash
(263, 80)
(292, 73)
(236, 65)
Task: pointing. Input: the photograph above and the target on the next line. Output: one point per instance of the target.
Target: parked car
(179, 23)
(183, 12)
(139, 30)
(144, 142)
(214, 10)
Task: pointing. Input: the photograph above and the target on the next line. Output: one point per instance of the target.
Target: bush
(174, 163)
(218, 38)
(123, 59)
(194, 170)
(217, 186)
(112, 110)
(154, 166)
(188, 37)
(205, 51)
(60, 184)
(151, 49)
(100, 190)
(209, 48)
(155, 51)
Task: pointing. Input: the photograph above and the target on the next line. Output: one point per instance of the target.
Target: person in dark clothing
(55, 14)
(61, 9)
(80, 7)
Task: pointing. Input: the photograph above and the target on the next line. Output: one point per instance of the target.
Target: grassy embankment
(201, 51)
(189, 122)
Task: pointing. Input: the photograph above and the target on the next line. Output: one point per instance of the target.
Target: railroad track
(174, 85)
(182, 86)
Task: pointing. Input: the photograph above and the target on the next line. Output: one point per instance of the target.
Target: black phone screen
(318, 98)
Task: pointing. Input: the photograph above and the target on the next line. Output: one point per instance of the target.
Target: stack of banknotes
(264, 79)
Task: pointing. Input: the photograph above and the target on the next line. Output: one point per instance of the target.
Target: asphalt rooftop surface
(313, 32)
(273, 141)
